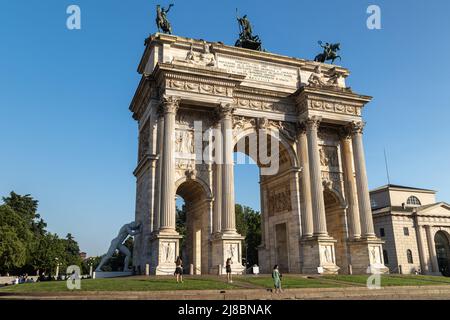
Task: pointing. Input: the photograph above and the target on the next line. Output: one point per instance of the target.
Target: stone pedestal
(318, 252)
(165, 249)
(264, 260)
(226, 246)
(112, 274)
(365, 254)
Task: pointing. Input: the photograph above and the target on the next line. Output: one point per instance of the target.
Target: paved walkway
(354, 293)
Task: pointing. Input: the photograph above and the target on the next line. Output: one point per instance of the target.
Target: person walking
(179, 269)
(228, 269)
(276, 275)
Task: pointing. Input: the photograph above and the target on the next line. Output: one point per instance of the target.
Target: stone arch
(279, 204)
(282, 139)
(336, 194)
(194, 246)
(442, 244)
(201, 183)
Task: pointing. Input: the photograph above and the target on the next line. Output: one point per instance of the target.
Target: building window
(381, 232)
(373, 203)
(413, 201)
(409, 256)
(406, 231)
(385, 257)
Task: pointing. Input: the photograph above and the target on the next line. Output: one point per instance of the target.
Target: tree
(26, 245)
(85, 265)
(248, 224)
(48, 250)
(181, 225)
(26, 207)
(12, 249)
(72, 251)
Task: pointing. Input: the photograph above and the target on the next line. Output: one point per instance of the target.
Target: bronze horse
(161, 19)
(329, 52)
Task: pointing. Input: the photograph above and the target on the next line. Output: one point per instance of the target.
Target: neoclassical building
(415, 227)
(199, 102)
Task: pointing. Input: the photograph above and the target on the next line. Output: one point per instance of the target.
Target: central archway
(442, 243)
(279, 198)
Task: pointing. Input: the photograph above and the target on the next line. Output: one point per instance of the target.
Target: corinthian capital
(357, 127)
(313, 122)
(225, 110)
(170, 104)
(301, 128)
(345, 133)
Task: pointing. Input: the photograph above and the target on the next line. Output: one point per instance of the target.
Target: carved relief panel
(232, 251)
(279, 199)
(144, 141)
(168, 252)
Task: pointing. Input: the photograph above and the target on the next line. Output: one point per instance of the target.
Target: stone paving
(346, 293)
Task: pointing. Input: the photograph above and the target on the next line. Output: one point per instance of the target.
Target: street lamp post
(57, 268)
(90, 267)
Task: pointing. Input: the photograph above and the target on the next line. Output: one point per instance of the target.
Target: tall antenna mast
(387, 167)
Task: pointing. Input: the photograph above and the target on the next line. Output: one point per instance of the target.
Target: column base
(318, 255)
(224, 246)
(165, 249)
(264, 259)
(366, 255)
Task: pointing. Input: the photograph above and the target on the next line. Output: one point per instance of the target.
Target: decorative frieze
(261, 105)
(198, 87)
(319, 103)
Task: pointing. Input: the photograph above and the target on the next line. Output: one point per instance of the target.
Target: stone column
(228, 212)
(432, 249)
(307, 213)
(365, 210)
(350, 183)
(218, 147)
(159, 150)
(262, 196)
(420, 245)
(318, 205)
(167, 217)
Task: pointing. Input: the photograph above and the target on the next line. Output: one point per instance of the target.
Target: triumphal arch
(199, 102)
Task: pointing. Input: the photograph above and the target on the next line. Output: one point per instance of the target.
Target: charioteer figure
(246, 38)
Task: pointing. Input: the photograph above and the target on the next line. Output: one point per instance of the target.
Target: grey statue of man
(129, 229)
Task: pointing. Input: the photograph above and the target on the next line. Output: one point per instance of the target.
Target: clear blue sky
(68, 138)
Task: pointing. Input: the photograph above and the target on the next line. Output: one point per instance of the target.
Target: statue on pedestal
(129, 229)
(329, 52)
(161, 19)
(246, 38)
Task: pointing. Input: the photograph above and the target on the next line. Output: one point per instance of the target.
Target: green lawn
(392, 280)
(123, 284)
(214, 283)
(288, 281)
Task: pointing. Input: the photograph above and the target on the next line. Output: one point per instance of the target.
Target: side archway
(193, 221)
(442, 243)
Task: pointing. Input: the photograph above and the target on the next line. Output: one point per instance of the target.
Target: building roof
(399, 187)
(421, 211)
